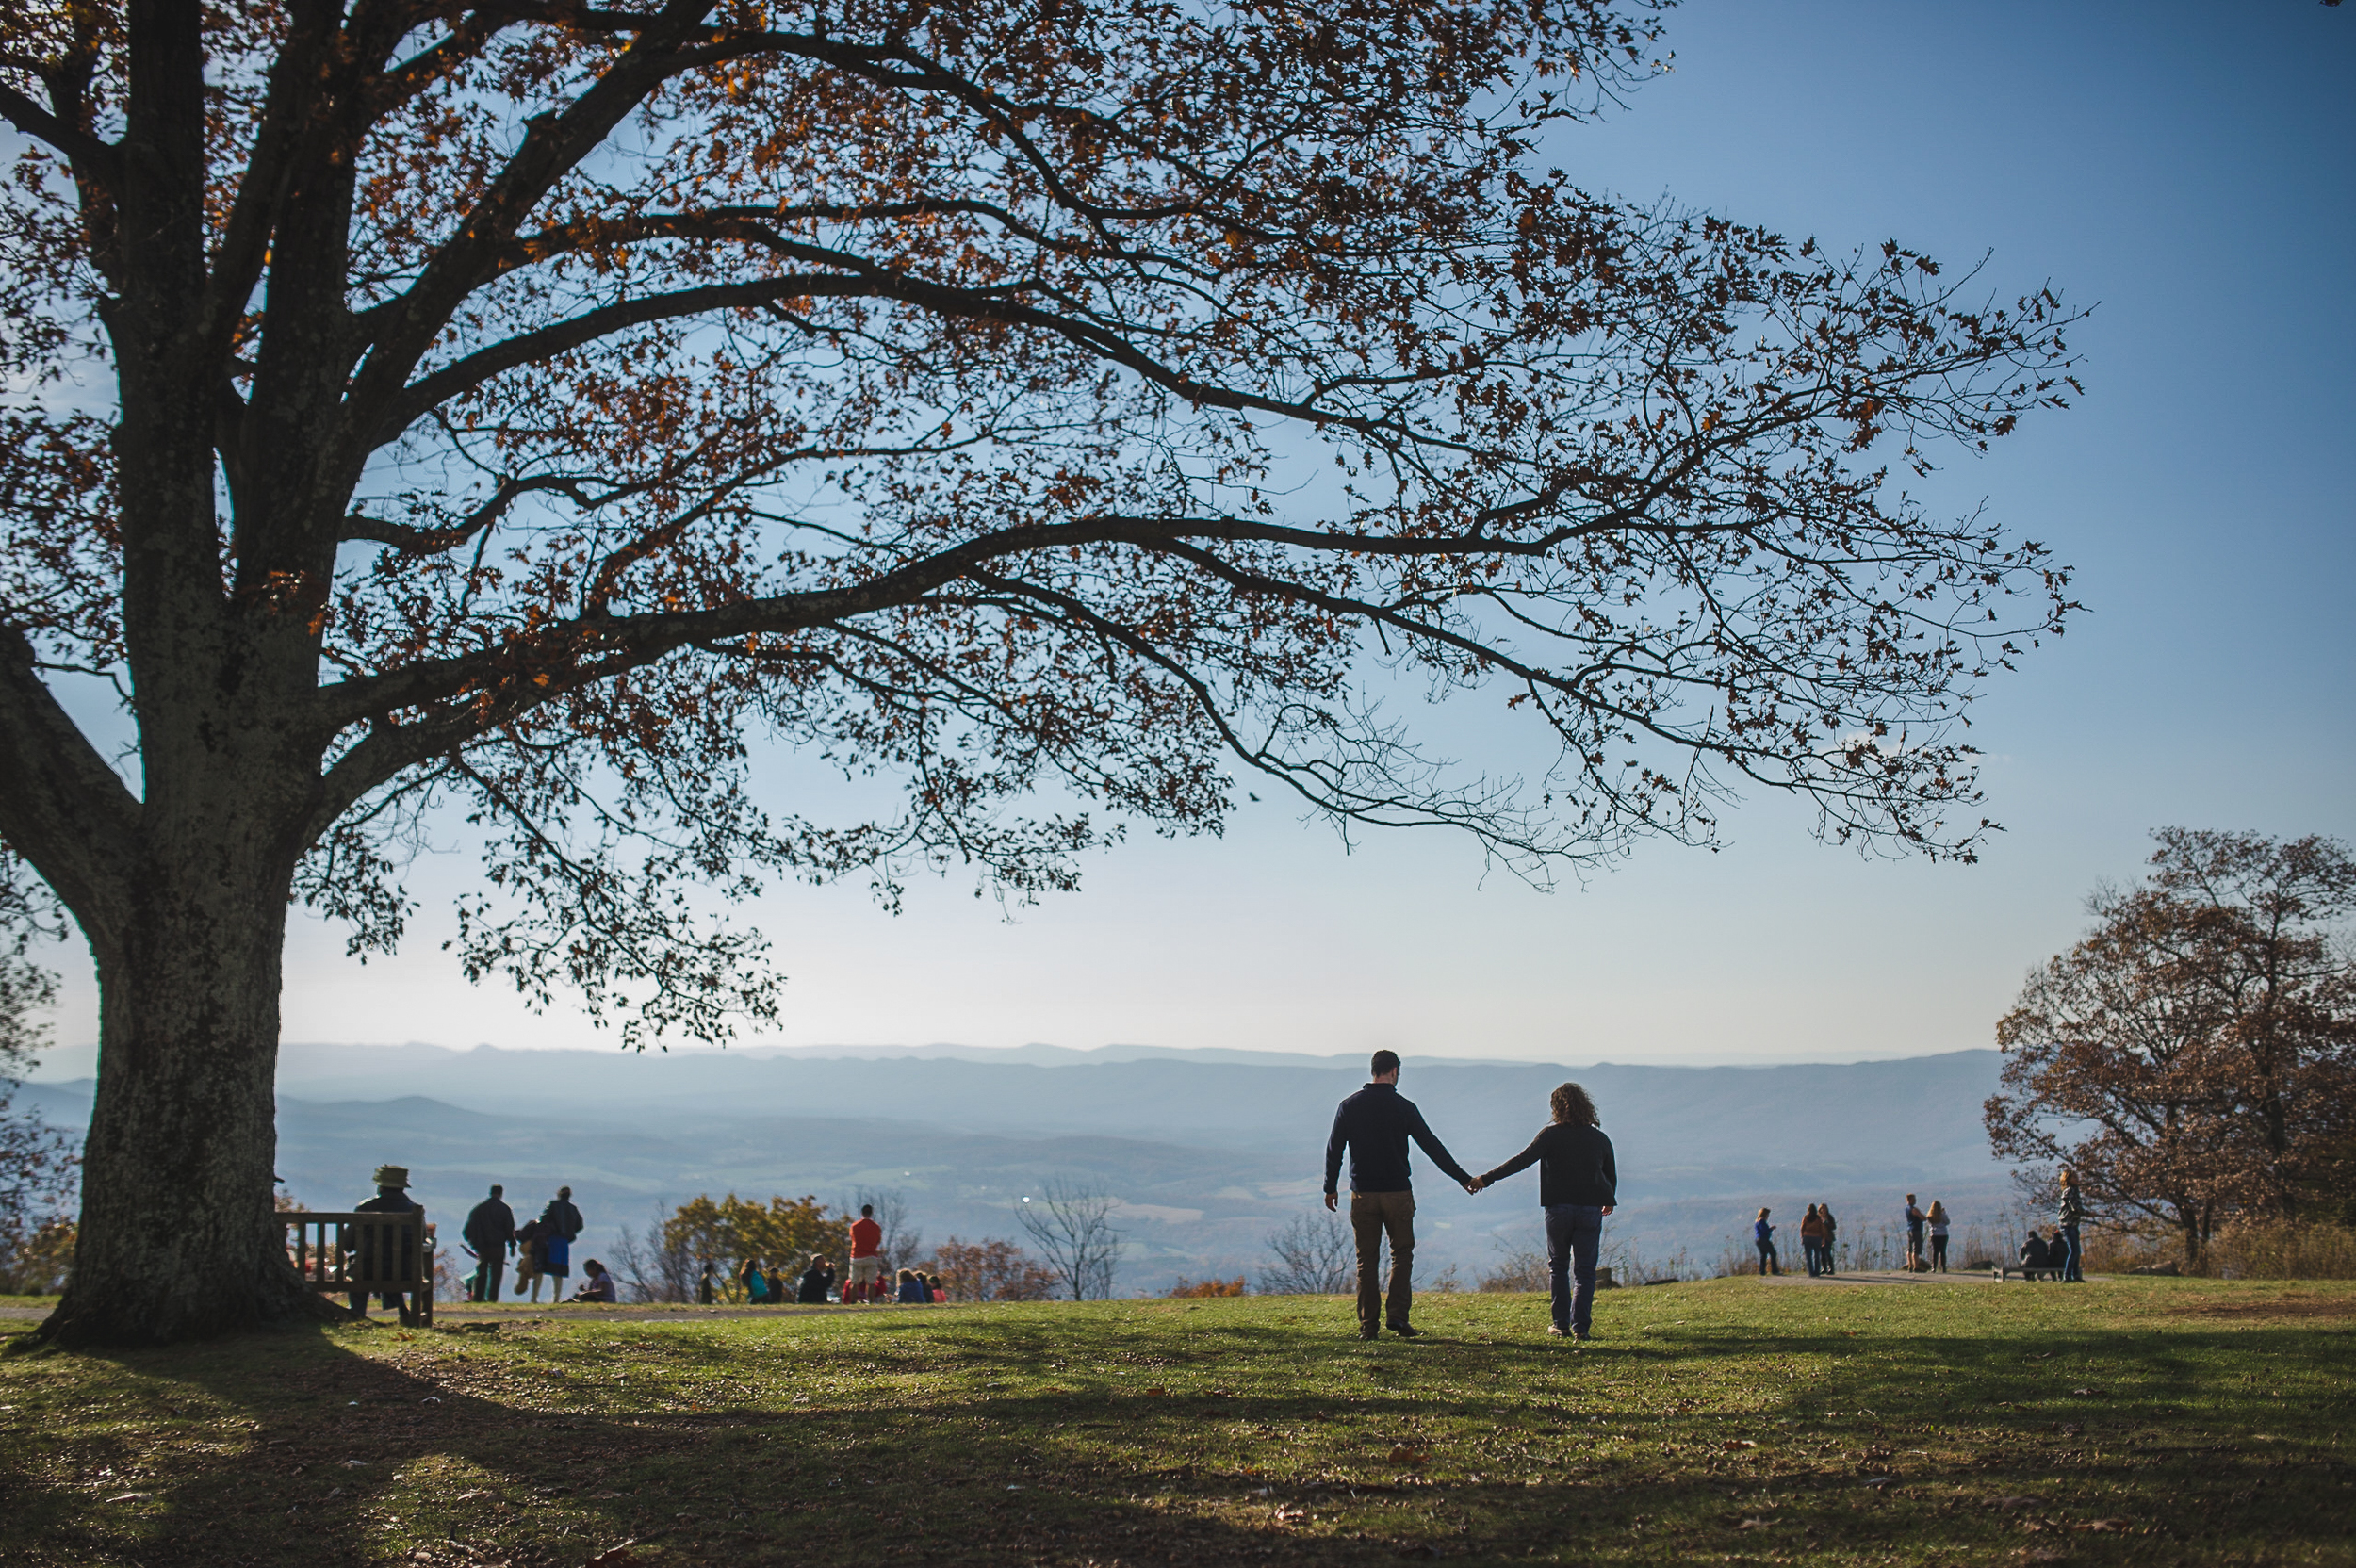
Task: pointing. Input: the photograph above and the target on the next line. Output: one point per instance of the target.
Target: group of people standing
(1820, 1234)
(542, 1248)
(1927, 1232)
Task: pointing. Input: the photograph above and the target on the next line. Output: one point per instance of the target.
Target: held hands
(1475, 1184)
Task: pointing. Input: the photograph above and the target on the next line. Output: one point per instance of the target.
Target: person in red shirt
(866, 1255)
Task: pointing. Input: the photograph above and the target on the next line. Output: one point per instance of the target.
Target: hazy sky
(2182, 167)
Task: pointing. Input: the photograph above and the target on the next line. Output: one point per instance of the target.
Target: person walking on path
(2072, 1214)
(392, 1197)
(707, 1286)
(1938, 1219)
(1812, 1240)
(1832, 1235)
(866, 1257)
(491, 1233)
(1764, 1236)
(1915, 1218)
(1578, 1183)
(1374, 1125)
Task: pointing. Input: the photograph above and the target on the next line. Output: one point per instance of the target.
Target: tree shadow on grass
(967, 1438)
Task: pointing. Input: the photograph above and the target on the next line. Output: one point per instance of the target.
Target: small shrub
(1519, 1271)
(2281, 1249)
(1185, 1288)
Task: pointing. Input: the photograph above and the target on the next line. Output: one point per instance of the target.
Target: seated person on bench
(2035, 1259)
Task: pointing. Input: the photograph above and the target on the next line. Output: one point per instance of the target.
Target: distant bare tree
(1314, 1257)
(1071, 1222)
(657, 1265)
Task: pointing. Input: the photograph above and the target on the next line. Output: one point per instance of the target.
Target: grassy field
(2132, 1422)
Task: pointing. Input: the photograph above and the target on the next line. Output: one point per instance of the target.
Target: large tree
(503, 413)
(2193, 1059)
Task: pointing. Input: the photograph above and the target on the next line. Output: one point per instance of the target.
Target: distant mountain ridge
(1208, 1154)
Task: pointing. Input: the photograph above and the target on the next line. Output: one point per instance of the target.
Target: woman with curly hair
(1577, 1185)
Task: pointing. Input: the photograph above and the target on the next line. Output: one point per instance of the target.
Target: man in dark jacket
(380, 1252)
(491, 1232)
(1578, 1183)
(1374, 1125)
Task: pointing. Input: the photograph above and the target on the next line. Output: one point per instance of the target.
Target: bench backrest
(343, 1253)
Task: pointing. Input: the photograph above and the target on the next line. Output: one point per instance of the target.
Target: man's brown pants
(1372, 1214)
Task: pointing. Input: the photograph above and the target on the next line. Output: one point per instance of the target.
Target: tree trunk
(179, 1235)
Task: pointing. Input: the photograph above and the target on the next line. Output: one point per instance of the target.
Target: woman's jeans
(1574, 1236)
(1767, 1258)
(2070, 1259)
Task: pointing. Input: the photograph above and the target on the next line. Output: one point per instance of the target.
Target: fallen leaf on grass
(2083, 1393)
(1156, 1392)
(2013, 1502)
(134, 1497)
(1402, 1454)
(1754, 1523)
(617, 1557)
(2112, 1527)
(1731, 1444)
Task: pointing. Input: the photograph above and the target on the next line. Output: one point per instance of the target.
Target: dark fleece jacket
(1575, 1166)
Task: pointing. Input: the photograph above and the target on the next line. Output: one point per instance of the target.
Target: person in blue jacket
(1578, 1183)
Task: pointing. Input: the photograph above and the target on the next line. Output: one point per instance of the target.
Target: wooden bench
(2005, 1271)
(364, 1255)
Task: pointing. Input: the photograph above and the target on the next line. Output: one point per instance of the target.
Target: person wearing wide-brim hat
(392, 1197)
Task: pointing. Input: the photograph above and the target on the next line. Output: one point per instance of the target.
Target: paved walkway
(525, 1312)
(1894, 1276)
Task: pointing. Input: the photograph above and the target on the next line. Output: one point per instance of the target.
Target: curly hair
(1571, 1105)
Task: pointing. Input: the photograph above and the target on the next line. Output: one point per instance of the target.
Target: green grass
(2132, 1422)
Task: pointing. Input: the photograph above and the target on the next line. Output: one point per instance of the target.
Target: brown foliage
(1187, 1289)
(991, 1270)
(2194, 1057)
(918, 388)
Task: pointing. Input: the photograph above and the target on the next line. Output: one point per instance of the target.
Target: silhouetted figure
(1578, 1183)
(1374, 1125)
(392, 1197)
(491, 1233)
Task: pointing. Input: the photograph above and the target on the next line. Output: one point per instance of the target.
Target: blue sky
(2183, 169)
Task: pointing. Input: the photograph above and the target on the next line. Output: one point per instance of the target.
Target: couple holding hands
(1577, 1185)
